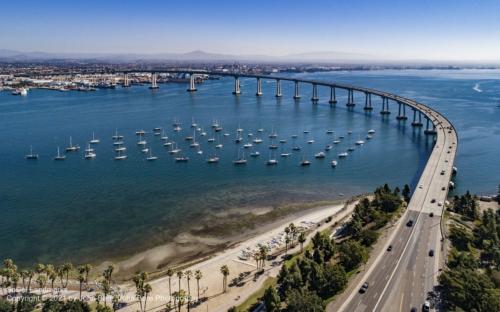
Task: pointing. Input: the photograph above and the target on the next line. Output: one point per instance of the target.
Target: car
(364, 288)
(442, 172)
(426, 306)
(431, 214)
(409, 223)
(431, 253)
(413, 309)
(440, 204)
(389, 248)
(420, 186)
(443, 188)
(433, 201)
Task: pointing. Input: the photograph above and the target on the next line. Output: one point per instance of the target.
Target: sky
(413, 29)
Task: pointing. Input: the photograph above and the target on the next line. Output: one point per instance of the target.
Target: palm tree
(66, 269)
(106, 289)
(87, 268)
(108, 272)
(302, 239)
(188, 275)
(147, 290)
(139, 280)
(15, 279)
(41, 280)
(81, 279)
(52, 275)
(198, 275)
(180, 296)
(256, 257)
(225, 272)
(287, 241)
(179, 276)
(263, 255)
(293, 231)
(29, 274)
(170, 273)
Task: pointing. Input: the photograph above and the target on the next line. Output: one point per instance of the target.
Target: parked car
(431, 253)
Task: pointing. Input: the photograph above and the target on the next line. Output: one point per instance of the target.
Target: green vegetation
(471, 280)
(308, 280)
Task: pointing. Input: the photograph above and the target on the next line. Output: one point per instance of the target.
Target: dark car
(431, 253)
(431, 214)
(363, 288)
(389, 248)
(409, 223)
(433, 201)
(413, 309)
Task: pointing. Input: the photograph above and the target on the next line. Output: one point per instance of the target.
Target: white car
(440, 204)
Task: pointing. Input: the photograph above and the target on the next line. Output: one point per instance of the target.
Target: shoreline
(201, 243)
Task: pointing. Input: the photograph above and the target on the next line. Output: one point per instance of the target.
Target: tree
(179, 276)
(52, 305)
(41, 280)
(189, 275)
(263, 250)
(6, 306)
(29, 275)
(198, 275)
(303, 300)
(225, 273)
(406, 193)
(140, 291)
(65, 270)
(105, 287)
(271, 300)
(147, 290)
(87, 268)
(352, 254)
(75, 306)
(170, 273)
(302, 240)
(51, 275)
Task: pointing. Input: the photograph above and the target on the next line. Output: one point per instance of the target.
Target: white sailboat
(31, 155)
(120, 156)
(94, 140)
(151, 157)
(59, 156)
(71, 147)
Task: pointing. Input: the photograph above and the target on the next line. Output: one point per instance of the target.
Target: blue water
(84, 210)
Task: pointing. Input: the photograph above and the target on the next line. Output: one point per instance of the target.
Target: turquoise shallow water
(86, 210)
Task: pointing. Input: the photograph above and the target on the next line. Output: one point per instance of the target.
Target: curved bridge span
(402, 278)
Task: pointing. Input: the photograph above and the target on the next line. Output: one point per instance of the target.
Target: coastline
(218, 233)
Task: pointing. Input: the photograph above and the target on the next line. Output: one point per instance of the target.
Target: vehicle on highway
(440, 204)
(433, 201)
(442, 172)
(426, 306)
(443, 188)
(389, 248)
(413, 309)
(431, 214)
(363, 288)
(420, 186)
(409, 223)
(431, 253)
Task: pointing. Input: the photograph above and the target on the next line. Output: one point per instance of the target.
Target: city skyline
(387, 30)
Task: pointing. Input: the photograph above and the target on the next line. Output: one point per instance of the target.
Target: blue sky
(420, 29)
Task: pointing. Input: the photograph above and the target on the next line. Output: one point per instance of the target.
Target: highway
(401, 279)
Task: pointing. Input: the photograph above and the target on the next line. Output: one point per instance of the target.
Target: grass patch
(255, 297)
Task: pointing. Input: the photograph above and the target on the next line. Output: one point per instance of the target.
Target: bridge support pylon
(368, 102)
(417, 123)
(428, 130)
(237, 89)
(192, 85)
(401, 116)
(385, 106)
(126, 82)
(278, 88)
(333, 98)
(296, 95)
(259, 87)
(154, 84)
(350, 98)
(315, 97)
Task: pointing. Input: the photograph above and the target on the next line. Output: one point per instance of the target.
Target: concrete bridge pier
(385, 106)
(259, 87)
(368, 102)
(192, 85)
(126, 82)
(278, 88)
(315, 97)
(416, 123)
(403, 116)
(237, 90)
(333, 98)
(428, 130)
(154, 85)
(350, 98)
(296, 96)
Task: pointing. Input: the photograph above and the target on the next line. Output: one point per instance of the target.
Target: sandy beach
(211, 283)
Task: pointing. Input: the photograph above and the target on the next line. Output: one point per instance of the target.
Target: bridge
(402, 278)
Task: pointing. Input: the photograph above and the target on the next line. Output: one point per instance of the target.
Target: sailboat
(151, 157)
(89, 153)
(94, 140)
(305, 162)
(174, 149)
(59, 156)
(334, 163)
(255, 154)
(31, 155)
(271, 161)
(194, 143)
(140, 132)
(359, 141)
(343, 155)
(193, 124)
(117, 136)
(240, 160)
(141, 141)
(120, 156)
(213, 159)
(89, 149)
(71, 147)
(164, 137)
(320, 155)
(120, 149)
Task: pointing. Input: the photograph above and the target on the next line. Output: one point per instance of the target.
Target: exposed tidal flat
(91, 211)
